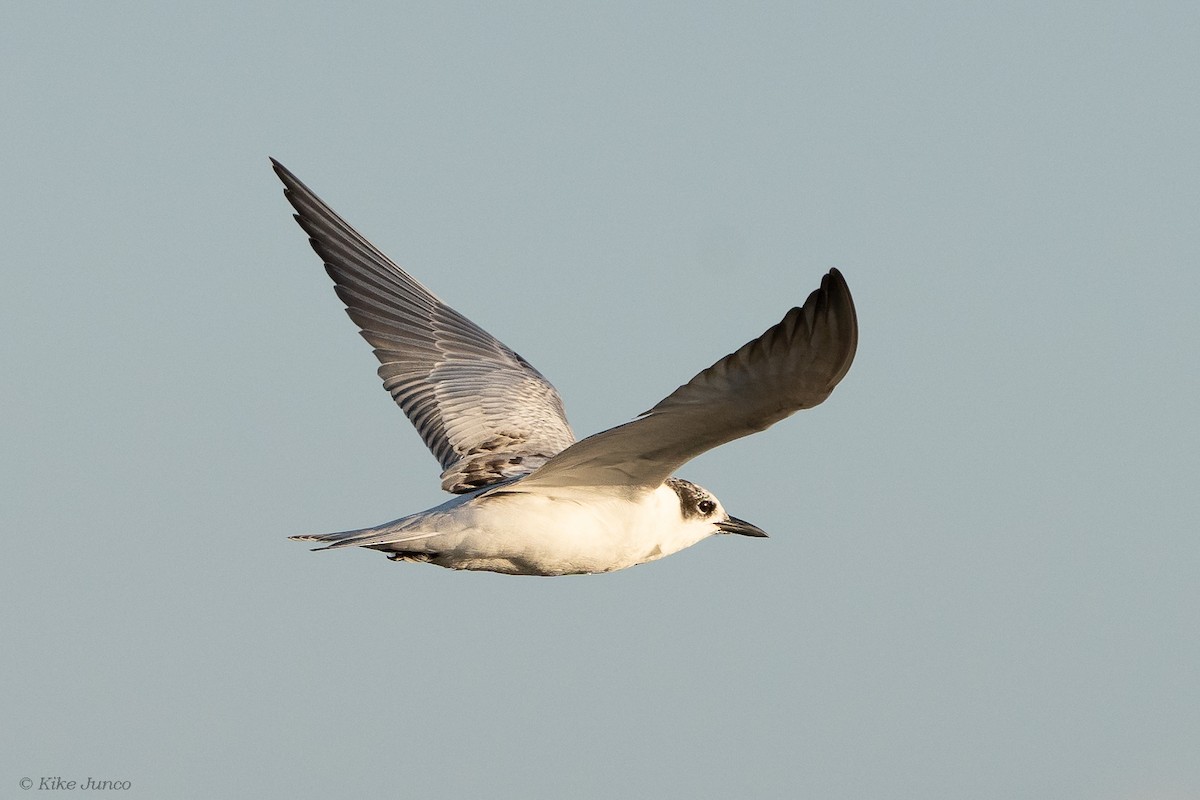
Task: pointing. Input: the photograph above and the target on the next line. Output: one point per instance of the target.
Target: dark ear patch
(694, 502)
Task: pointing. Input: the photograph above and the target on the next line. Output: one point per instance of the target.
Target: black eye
(706, 506)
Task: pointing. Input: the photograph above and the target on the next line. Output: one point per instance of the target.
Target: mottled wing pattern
(793, 365)
(484, 412)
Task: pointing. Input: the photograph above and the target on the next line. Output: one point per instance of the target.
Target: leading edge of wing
(793, 365)
(483, 411)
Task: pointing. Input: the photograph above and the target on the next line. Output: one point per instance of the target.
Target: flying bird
(529, 499)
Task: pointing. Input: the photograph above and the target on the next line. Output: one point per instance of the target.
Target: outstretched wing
(484, 412)
(793, 365)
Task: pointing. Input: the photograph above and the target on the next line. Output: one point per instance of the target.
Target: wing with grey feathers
(792, 366)
(484, 412)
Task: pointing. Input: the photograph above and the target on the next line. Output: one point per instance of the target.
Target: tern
(529, 498)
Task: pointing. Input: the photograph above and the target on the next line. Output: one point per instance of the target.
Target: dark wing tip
(836, 302)
(824, 326)
(835, 288)
(290, 182)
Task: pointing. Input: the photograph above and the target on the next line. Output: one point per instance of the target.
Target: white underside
(557, 531)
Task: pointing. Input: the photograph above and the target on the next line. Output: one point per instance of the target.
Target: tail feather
(364, 537)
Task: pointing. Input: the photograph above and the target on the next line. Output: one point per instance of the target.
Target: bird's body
(530, 499)
(558, 531)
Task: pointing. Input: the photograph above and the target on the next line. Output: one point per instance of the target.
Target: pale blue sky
(982, 576)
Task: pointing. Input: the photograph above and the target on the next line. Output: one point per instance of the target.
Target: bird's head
(697, 505)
